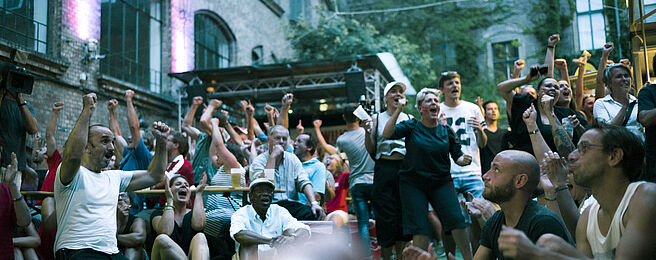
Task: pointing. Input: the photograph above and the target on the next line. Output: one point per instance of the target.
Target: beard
(499, 194)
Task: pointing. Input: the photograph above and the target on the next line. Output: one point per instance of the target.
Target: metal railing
(22, 30)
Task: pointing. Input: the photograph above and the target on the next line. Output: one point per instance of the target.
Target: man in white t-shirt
(464, 118)
(86, 196)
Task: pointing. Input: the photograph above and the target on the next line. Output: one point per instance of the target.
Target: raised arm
(506, 89)
(236, 138)
(549, 57)
(561, 65)
(51, 143)
(561, 138)
(287, 100)
(317, 131)
(578, 91)
(219, 154)
(268, 109)
(557, 173)
(77, 141)
(198, 215)
(518, 66)
(189, 117)
(164, 224)
(251, 123)
(133, 120)
(29, 122)
(600, 89)
(391, 123)
(369, 137)
(540, 146)
(12, 177)
(207, 115)
(120, 143)
(143, 179)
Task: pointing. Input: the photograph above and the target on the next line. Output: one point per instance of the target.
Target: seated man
(510, 182)
(288, 175)
(259, 227)
(179, 228)
(131, 230)
(608, 160)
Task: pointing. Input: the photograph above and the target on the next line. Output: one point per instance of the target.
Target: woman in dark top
(131, 233)
(425, 172)
(178, 227)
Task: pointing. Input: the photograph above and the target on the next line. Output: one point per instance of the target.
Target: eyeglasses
(583, 147)
(449, 73)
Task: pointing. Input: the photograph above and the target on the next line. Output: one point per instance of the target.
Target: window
(591, 23)
(504, 56)
(257, 55)
(130, 37)
(296, 10)
(648, 5)
(213, 41)
(25, 23)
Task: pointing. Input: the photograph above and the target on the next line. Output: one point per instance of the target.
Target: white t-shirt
(456, 118)
(86, 209)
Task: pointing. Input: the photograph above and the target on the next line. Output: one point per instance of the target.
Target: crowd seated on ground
(565, 181)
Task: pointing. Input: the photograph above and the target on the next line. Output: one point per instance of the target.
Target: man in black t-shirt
(497, 138)
(510, 182)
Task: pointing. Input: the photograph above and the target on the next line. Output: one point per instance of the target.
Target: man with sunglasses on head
(465, 119)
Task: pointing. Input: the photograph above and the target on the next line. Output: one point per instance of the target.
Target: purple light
(83, 18)
(182, 47)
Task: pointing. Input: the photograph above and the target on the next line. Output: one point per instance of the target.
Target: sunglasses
(449, 73)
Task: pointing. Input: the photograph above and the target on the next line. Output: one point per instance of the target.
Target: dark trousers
(83, 254)
(387, 203)
(298, 210)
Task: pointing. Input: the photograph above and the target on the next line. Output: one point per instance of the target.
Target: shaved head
(524, 163)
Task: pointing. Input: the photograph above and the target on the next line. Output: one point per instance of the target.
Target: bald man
(510, 182)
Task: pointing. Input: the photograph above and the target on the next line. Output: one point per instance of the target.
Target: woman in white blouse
(619, 107)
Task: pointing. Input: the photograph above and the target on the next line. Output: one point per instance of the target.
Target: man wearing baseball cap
(263, 227)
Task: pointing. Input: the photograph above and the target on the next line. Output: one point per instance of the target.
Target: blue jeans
(361, 197)
(468, 183)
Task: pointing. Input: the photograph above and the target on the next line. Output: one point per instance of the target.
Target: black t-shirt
(534, 222)
(182, 235)
(519, 135)
(646, 101)
(496, 142)
(427, 149)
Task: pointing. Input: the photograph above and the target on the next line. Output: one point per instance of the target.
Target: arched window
(213, 41)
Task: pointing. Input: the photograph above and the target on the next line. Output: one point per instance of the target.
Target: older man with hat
(263, 227)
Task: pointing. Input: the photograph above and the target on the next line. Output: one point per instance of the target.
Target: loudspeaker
(355, 86)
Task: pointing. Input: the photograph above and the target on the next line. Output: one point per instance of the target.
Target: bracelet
(549, 199)
(315, 203)
(550, 47)
(534, 132)
(168, 207)
(22, 104)
(19, 198)
(560, 188)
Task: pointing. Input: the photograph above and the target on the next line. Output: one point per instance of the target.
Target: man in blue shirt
(304, 148)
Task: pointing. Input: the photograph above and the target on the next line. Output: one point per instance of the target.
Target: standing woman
(619, 107)
(425, 174)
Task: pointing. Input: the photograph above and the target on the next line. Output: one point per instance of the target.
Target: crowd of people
(565, 181)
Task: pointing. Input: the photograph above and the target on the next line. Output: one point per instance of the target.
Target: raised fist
(160, 130)
(553, 40)
(317, 123)
(216, 103)
(89, 101)
(268, 108)
(561, 63)
(111, 105)
(198, 100)
(250, 110)
(57, 106)
(608, 47)
(287, 99)
(129, 94)
(519, 64)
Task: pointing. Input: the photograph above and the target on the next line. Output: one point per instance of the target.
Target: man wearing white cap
(388, 155)
(262, 226)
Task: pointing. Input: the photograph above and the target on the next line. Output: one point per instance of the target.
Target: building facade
(76, 47)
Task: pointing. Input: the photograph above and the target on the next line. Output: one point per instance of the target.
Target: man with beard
(510, 182)
(304, 148)
(86, 196)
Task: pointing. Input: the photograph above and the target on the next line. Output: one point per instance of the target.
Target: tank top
(603, 247)
(386, 146)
